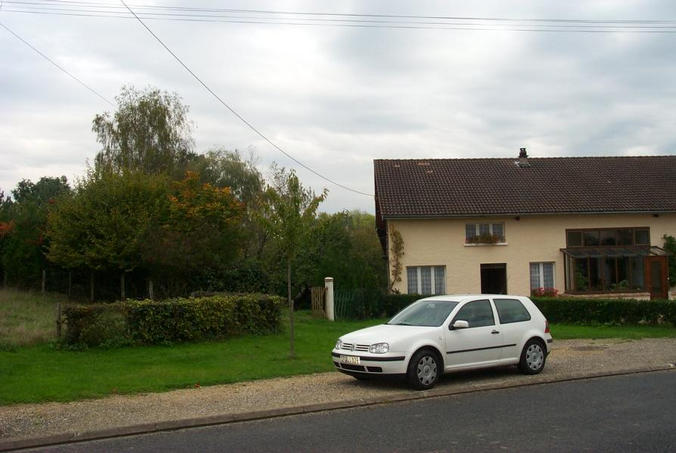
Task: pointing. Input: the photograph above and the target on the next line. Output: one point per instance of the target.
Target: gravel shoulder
(34, 424)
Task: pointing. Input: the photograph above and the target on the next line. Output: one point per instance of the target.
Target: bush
(369, 303)
(394, 303)
(173, 320)
(606, 311)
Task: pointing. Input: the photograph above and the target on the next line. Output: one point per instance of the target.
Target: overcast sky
(337, 97)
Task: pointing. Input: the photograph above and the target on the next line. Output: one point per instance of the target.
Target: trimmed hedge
(606, 311)
(172, 320)
(394, 303)
(570, 310)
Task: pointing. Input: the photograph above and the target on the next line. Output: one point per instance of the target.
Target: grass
(27, 318)
(36, 372)
(42, 373)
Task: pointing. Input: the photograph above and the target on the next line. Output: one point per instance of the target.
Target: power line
(55, 63)
(302, 18)
(110, 5)
(240, 117)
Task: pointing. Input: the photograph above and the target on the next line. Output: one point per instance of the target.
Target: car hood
(385, 333)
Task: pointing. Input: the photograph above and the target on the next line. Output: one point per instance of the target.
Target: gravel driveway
(33, 424)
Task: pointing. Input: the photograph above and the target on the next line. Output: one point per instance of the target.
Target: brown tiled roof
(477, 187)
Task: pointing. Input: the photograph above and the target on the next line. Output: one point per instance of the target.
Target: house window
(426, 280)
(608, 237)
(484, 233)
(606, 273)
(541, 275)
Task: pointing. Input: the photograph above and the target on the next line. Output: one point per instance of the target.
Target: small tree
(288, 215)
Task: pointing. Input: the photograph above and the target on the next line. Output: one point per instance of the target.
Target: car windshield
(428, 313)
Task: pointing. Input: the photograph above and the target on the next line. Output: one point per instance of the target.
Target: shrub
(173, 320)
(394, 303)
(606, 311)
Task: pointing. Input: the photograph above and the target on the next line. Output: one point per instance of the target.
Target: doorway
(656, 277)
(494, 278)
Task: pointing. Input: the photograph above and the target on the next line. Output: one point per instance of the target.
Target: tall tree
(150, 132)
(288, 215)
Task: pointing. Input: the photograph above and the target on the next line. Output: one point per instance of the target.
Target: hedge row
(557, 309)
(172, 320)
(607, 311)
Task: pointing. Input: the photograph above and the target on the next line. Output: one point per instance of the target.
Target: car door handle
(495, 332)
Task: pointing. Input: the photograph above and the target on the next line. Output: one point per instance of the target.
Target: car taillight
(546, 326)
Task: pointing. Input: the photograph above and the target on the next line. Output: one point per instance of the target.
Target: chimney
(523, 158)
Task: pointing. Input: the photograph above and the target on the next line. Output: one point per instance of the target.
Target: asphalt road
(623, 413)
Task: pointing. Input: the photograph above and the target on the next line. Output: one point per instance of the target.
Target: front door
(656, 277)
(494, 278)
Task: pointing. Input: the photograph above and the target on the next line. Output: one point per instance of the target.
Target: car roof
(465, 297)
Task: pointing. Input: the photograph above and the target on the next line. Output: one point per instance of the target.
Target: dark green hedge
(606, 311)
(173, 320)
(568, 310)
(394, 303)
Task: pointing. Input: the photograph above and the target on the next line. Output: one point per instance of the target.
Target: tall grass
(27, 318)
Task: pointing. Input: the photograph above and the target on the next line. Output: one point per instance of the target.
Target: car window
(424, 313)
(511, 310)
(477, 313)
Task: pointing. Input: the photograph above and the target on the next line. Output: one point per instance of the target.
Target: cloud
(338, 97)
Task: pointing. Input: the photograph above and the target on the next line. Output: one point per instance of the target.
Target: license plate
(349, 359)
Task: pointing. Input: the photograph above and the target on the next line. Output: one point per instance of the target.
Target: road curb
(173, 425)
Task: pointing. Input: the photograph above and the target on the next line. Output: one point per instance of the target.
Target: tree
(24, 222)
(288, 214)
(200, 231)
(343, 245)
(149, 132)
(222, 168)
(105, 225)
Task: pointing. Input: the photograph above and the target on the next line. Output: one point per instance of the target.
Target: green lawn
(41, 373)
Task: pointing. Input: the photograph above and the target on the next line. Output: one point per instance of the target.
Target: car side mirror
(460, 324)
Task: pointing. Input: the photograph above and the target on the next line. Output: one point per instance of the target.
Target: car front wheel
(423, 370)
(533, 357)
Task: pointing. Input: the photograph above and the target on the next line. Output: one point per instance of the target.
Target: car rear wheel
(533, 357)
(423, 370)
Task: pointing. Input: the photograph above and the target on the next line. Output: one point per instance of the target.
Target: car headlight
(339, 344)
(379, 348)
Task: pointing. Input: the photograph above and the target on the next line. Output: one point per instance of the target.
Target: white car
(447, 333)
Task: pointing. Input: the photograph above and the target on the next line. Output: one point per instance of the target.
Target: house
(581, 225)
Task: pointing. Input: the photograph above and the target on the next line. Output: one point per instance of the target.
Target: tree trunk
(292, 352)
(122, 287)
(44, 280)
(70, 284)
(91, 286)
(150, 289)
